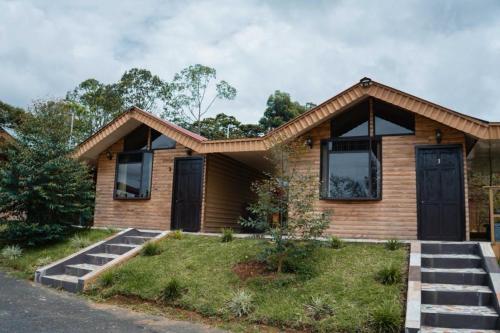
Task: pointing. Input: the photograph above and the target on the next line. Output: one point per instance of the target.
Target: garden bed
(34, 257)
(210, 272)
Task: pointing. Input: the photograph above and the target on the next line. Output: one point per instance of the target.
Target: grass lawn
(344, 277)
(32, 258)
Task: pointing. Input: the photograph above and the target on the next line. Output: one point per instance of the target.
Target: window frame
(149, 141)
(374, 125)
(370, 145)
(142, 152)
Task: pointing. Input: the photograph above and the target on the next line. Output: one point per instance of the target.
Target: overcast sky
(445, 51)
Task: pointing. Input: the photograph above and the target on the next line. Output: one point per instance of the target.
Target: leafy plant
(107, 279)
(335, 242)
(151, 249)
(227, 235)
(386, 318)
(393, 244)
(318, 307)
(240, 304)
(79, 242)
(172, 291)
(43, 261)
(389, 275)
(12, 252)
(176, 234)
(32, 234)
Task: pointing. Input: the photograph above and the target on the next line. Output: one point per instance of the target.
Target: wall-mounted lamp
(189, 152)
(439, 136)
(365, 82)
(309, 142)
(109, 155)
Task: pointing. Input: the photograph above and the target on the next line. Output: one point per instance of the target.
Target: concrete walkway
(25, 307)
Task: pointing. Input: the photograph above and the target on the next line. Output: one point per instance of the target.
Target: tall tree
(223, 126)
(11, 116)
(139, 87)
(280, 109)
(188, 101)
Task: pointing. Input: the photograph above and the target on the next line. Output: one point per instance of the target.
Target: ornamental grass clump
(172, 291)
(176, 234)
(227, 235)
(12, 252)
(151, 249)
(79, 242)
(240, 304)
(386, 318)
(389, 275)
(335, 243)
(393, 244)
(318, 307)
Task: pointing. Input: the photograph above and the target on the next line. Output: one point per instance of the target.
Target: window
(133, 175)
(145, 138)
(352, 123)
(391, 120)
(351, 169)
(160, 141)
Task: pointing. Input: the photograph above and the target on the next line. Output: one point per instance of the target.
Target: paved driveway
(25, 307)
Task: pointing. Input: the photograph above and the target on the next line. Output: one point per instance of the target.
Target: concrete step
(138, 240)
(456, 294)
(64, 281)
(80, 269)
(119, 248)
(100, 258)
(472, 276)
(448, 260)
(149, 233)
(428, 329)
(459, 316)
(449, 248)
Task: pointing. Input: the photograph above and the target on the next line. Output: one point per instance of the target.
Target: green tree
(11, 116)
(280, 109)
(139, 87)
(223, 126)
(41, 184)
(187, 99)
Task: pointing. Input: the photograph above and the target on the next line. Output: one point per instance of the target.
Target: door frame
(460, 148)
(174, 188)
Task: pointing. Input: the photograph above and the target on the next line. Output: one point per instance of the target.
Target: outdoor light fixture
(109, 155)
(189, 152)
(439, 135)
(309, 142)
(365, 82)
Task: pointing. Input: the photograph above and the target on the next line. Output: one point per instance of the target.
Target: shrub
(389, 275)
(43, 261)
(393, 244)
(79, 242)
(172, 291)
(176, 234)
(151, 249)
(318, 308)
(335, 242)
(107, 279)
(227, 235)
(12, 252)
(240, 304)
(32, 234)
(386, 318)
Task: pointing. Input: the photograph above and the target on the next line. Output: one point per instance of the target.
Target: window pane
(133, 178)
(160, 141)
(137, 139)
(392, 120)
(353, 122)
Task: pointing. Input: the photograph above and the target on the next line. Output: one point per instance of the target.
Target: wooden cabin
(391, 165)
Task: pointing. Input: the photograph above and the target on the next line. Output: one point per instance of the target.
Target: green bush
(318, 308)
(43, 261)
(32, 234)
(240, 304)
(389, 275)
(386, 318)
(12, 252)
(176, 234)
(227, 235)
(335, 243)
(393, 244)
(172, 291)
(151, 249)
(79, 242)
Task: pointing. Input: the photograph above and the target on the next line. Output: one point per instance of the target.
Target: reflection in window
(133, 175)
(390, 120)
(354, 122)
(139, 138)
(351, 169)
(160, 141)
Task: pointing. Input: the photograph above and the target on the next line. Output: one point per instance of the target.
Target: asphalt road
(26, 307)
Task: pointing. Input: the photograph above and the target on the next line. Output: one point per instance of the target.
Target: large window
(145, 138)
(391, 120)
(133, 175)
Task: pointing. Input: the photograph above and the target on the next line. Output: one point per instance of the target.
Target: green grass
(203, 265)
(32, 258)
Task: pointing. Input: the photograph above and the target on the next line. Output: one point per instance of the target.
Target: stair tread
(459, 310)
(84, 266)
(429, 329)
(454, 270)
(104, 255)
(455, 287)
(450, 256)
(124, 245)
(63, 277)
(145, 237)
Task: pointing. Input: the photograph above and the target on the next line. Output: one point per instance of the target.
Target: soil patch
(250, 269)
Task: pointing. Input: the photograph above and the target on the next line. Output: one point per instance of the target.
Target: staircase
(455, 290)
(73, 272)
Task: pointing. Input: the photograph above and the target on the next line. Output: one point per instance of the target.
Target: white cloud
(447, 51)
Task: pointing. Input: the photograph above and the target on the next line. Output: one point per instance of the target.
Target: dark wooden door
(187, 194)
(440, 193)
